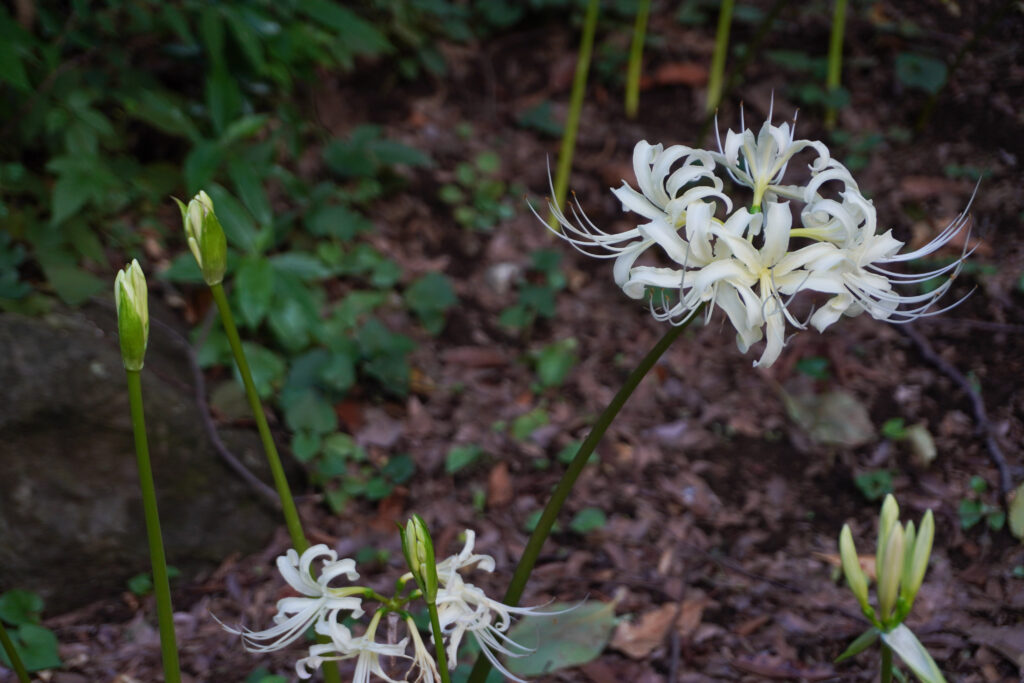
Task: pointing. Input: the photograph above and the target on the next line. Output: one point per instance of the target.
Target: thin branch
(984, 427)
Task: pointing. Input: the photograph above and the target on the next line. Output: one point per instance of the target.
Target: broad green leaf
(267, 368)
(305, 445)
(223, 98)
(242, 128)
(249, 186)
(562, 640)
(460, 457)
(587, 520)
(393, 152)
(73, 285)
(201, 165)
(306, 267)
(160, 110)
(904, 643)
(37, 646)
(254, 289)
(337, 221)
(11, 69)
(309, 410)
(360, 36)
(290, 324)
(555, 360)
(429, 297)
(339, 373)
(399, 468)
(19, 607)
(861, 643)
(922, 72)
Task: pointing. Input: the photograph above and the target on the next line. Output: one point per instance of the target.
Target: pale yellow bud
(922, 551)
(132, 300)
(855, 577)
(890, 570)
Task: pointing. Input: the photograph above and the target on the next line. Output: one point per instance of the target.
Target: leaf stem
(572, 123)
(442, 657)
(572, 472)
(835, 59)
(161, 583)
(715, 78)
(886, 664)
(636, 53)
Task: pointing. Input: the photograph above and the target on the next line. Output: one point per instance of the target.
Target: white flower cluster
(462, 608)
(746, 263)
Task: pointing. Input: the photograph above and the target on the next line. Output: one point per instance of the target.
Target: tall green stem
(886, 664)
(161, 583)
(715, 78)
(636, 54)
(12, 654)
(835, 60)
(561, 493)
(572, 123)
(291, 514)
(442, 656)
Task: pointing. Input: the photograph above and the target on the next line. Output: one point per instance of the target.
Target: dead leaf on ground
(499, 486)
(639, 639)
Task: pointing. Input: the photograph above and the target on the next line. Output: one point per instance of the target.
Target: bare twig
(984, 427)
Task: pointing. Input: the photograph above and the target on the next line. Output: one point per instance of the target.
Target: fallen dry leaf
(499, 486)
(639, 639)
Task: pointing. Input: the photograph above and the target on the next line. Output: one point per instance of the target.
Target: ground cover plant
(418, 343)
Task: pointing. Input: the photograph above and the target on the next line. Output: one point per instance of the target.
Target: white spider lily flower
(464, 608)
(759, 162)
(422, 660)
(320, 602)
(465, 558)
(364, 649)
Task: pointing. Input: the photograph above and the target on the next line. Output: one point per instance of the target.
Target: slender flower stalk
(547, 519)
(717, 73)
(636, 54)
(835, 59)
(572, 123)
(131, 297)
(886, 664)
(12, 655)
(208, 244)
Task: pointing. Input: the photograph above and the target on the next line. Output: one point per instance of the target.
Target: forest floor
(723, 508)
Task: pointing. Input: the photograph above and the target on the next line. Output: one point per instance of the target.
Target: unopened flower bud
(890, 570)
(851, 569)
(131, 298)
(889, 516)
(205, 237)
(418, 549)
(922, 551)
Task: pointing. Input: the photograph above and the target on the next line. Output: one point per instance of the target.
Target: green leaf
(267, 368)
(11, 69)
(862, 642)
(360, 35)
(242, 128)
(562, 640)
(339, 372)
(254, 289)
(19, 607)
(541, 118)
(37, 647)
(337, 221)
(160, 110)
(874, 484)
(141, 584)
(201, 165)
(308, 410)
(460, 457)
(894, 428)
(587, 520)
(183, 268)
(249, 186)
(526, 424)
(72, 284)
(291, 325)
(306, 267)
(429, 298)
(235, 220)
(378, 488)
(305, 445)
(554, 361)
(399, 468)
(970, 512)
(815, 367)
(921, 72)
(904, 643)
(343, 447)
(223, 97)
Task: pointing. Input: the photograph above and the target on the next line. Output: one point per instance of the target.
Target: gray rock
(71, 522)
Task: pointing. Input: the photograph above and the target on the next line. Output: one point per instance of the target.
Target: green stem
(886, 664)
(636, 53)
(291, 514)
(442, 657)
(718, 58)
(12, 654)
(572, 123)
(161, 583)
(835, 59)
(557, 500)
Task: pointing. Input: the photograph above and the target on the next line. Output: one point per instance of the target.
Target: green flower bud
(889, 516)
(855, 577)
(921, 552)
(890, 571)
(418, 549)
(909, 538)
(132, 301)
(205, 237)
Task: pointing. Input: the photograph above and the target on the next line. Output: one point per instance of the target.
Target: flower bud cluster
(132, 300)
(901, 561)
(205, 237)
(747, 260)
